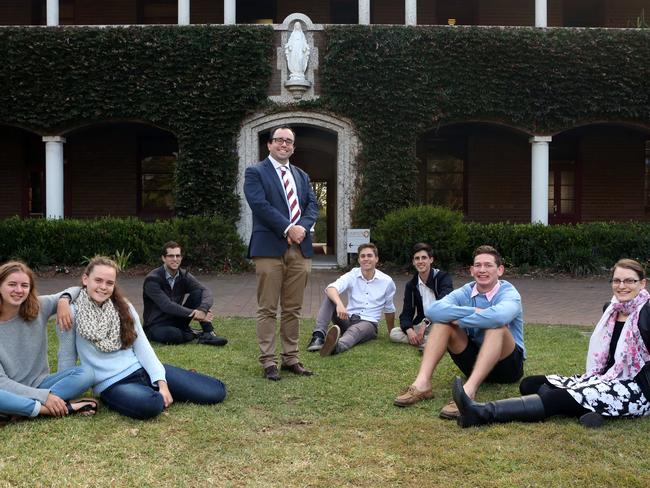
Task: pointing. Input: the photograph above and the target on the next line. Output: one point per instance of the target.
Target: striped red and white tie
(294, 208)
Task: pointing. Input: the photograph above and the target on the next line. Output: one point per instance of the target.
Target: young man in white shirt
(370, 292)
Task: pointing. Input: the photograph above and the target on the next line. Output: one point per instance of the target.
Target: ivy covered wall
(196, 81)
(396, 82)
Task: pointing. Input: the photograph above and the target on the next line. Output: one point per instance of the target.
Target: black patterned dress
(610, 398)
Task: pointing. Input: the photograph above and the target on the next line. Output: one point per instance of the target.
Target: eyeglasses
(177, 256)
(280, 141)
(627, 281)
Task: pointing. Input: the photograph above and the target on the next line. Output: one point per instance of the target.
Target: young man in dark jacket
(428, 285)
(167, 314)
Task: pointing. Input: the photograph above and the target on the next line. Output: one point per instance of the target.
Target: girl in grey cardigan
(26, 387)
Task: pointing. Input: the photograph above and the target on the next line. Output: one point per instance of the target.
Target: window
(158, 153)
(443, 172)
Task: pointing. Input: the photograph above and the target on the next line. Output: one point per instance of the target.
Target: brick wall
(506, 12)
(106, 12)
(317, 11)
(12, 174)
(386, 12)
(612, 166)
(623, 13)
(15, 12)
(498, 176)
(206, 12)
(101, 173)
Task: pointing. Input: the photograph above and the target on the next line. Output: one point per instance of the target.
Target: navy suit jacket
(268, 202)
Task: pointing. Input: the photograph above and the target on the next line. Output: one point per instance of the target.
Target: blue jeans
(65, 384)
(135, 396)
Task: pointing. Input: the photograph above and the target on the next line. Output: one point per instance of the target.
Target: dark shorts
(509, 370)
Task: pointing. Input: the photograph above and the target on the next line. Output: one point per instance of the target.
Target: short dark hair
(422, 246)
(275, 129)
(170, 245)
(485, 249)
(368, 245)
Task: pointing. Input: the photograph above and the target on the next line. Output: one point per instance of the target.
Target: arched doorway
(600, 172)
(326, 148)
(480, 169)
(22, 171)
(120, 169)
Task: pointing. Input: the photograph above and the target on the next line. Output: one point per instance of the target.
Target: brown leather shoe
(411, 396)
(297, 368)
(271, 373)
(449, 411)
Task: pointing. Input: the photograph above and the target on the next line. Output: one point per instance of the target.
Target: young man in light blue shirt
(481, 325)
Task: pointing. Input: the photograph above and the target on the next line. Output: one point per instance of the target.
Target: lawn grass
(337, 428)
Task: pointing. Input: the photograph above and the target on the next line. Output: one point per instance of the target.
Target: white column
(54, 176)
(539, 179)
(183, 12)
(364, 12)
(540, 13)
(229, 12)
(52, 12)
(411, 12)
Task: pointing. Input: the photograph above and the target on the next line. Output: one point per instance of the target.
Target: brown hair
(368, 245)
(127, 325)
(275, 129)
(169, 245)
(29, 308)
(422, 246)
(632, 265)
(485, 249)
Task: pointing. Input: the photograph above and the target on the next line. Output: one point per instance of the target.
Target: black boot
(527, 408)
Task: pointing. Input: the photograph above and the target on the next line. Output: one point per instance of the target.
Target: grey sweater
(23, 350)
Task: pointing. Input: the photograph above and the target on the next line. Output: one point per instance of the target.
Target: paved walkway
(546, 300)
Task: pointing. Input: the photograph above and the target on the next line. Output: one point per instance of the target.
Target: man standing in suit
(284, 210)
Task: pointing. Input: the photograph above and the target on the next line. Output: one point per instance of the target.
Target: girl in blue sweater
(108, 337)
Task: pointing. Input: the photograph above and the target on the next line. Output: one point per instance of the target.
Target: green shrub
(208, 242)
(399, 230)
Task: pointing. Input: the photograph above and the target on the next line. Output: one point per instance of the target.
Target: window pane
(566, 192)
(158, 182)
(567, 206)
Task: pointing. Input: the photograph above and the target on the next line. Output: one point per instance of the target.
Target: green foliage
(122, 259)
(578, 249)
(195, 81)
(208, 242)
(398, 231)
(397, 82)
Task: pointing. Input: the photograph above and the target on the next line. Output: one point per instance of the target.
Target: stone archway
(346, 171)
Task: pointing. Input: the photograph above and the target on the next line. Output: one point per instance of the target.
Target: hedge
(208, 242)
(579, 249)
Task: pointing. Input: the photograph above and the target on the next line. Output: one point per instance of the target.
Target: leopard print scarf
(98, 324)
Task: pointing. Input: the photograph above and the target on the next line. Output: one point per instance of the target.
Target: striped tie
(294, 209)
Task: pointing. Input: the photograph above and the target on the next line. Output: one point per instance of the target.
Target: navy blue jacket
(268, 202)
(160, 301)
(413, 311)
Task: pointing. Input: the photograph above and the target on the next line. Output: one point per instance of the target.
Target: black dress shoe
(316, 343)
(297, 368)
(211, 339)
(271, 373)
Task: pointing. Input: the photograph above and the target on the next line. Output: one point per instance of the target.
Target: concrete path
(546, 300)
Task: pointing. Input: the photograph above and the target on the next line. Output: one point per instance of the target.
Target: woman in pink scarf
(617, 378)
